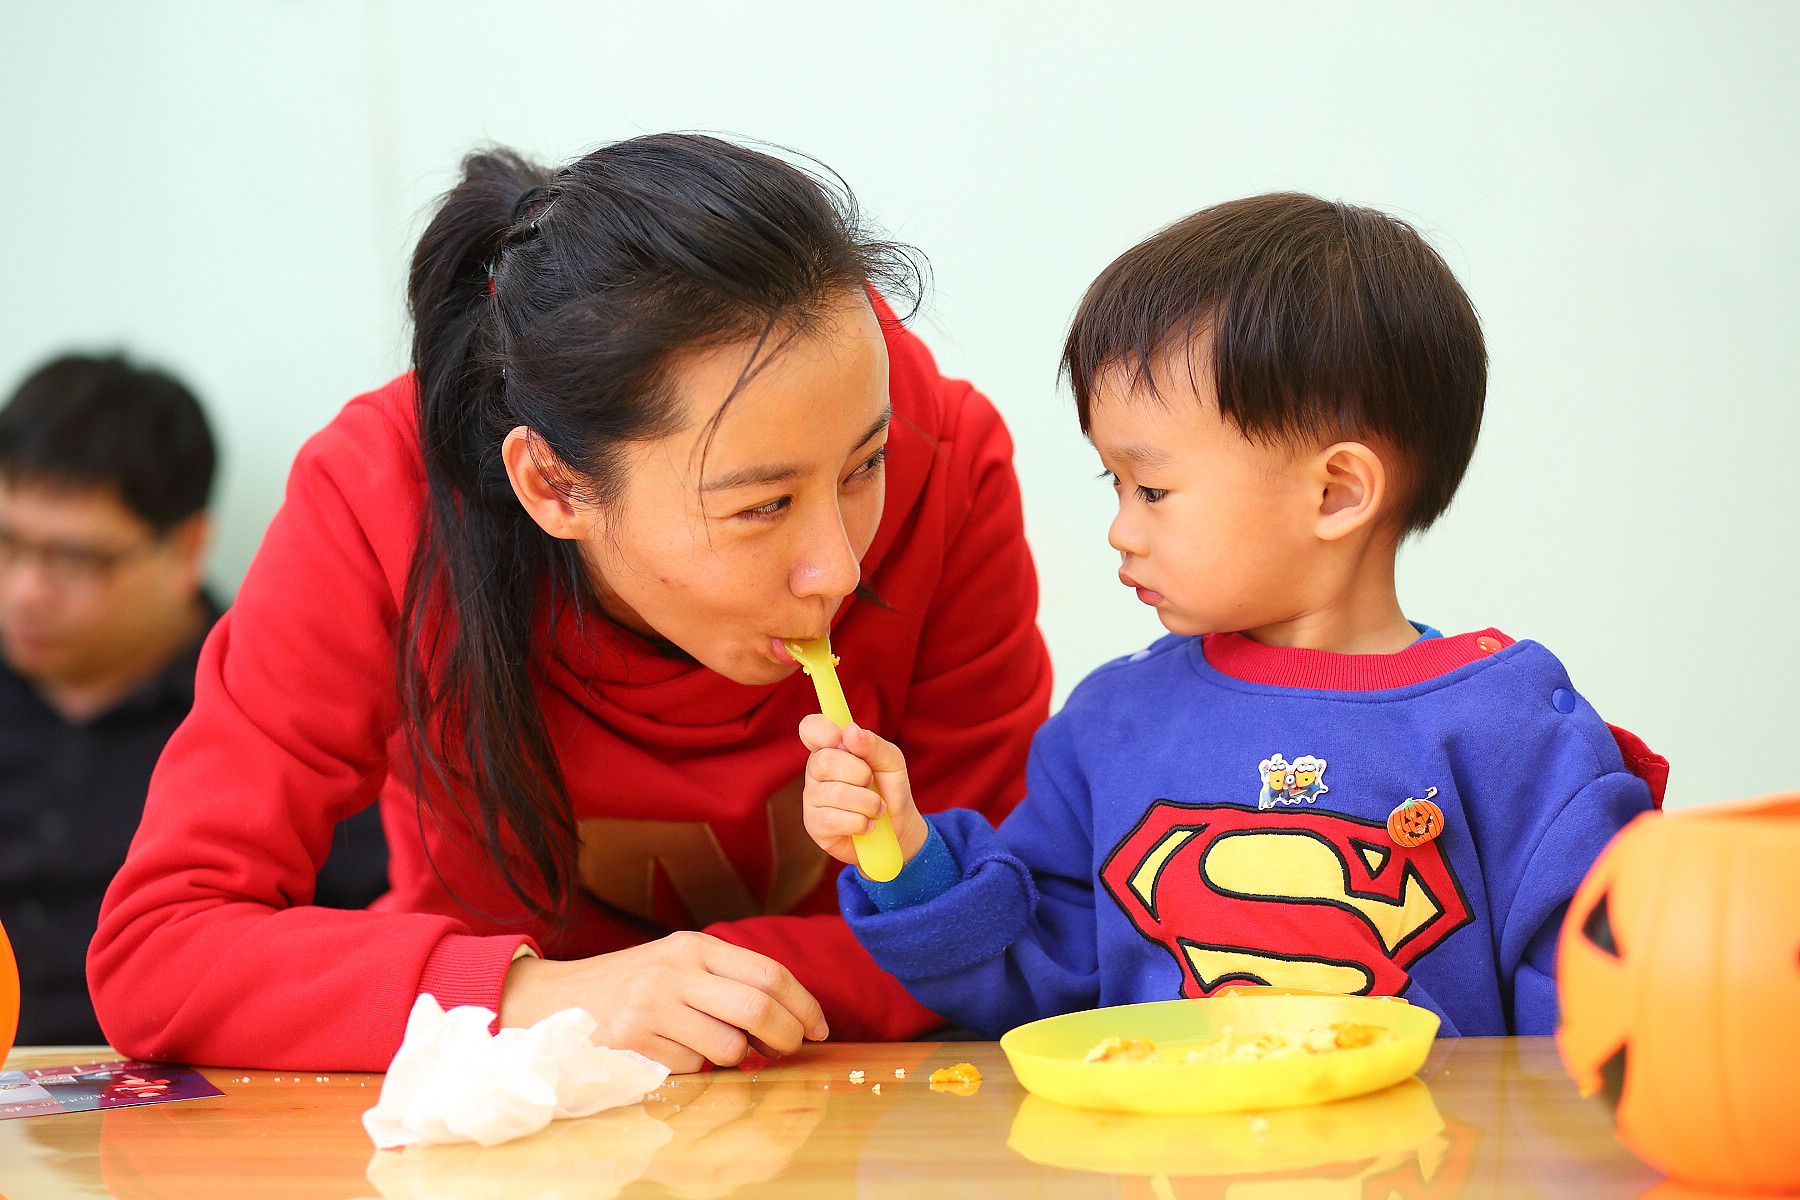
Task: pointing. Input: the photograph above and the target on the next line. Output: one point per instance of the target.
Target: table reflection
(1486, 1118)
(589, 1159)
(696, 1138)
(1396, 1137)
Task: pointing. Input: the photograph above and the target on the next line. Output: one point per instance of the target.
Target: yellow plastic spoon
(878, 851)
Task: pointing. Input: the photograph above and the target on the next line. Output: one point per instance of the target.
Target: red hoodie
(208, 950)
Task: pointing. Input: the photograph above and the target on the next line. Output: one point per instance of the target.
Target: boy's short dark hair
(1326, 320)
(99, 421)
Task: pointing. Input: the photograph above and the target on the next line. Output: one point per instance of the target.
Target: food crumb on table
(963, 1079)
(899, 1072)
(876, 1089)
(856, 1077)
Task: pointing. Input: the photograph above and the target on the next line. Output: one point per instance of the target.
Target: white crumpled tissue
(453, 1081)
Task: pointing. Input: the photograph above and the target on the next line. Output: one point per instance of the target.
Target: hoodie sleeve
(209, 949)
(1013, 939)
(1547, 881)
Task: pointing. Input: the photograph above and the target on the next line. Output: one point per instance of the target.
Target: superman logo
(1302, 899)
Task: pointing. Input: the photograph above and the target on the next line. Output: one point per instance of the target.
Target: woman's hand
(683, 1000)
(851, 776)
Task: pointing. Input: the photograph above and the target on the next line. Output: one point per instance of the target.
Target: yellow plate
(1046, 1055)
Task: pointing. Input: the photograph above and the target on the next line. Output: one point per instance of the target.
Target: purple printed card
(87, 1086)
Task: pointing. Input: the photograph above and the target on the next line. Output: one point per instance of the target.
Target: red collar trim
(1235, 655)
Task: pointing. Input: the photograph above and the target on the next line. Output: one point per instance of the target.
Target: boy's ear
(1352, 487)
(538, 480)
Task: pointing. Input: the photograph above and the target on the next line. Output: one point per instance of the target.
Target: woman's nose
(827, 565)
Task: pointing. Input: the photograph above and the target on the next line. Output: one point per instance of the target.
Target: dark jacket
(70, 798)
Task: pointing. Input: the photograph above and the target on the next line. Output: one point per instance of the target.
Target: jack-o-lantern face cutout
(1415, 822)
(1679, 973)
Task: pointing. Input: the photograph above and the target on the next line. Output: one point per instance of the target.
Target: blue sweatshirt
(1214, 811)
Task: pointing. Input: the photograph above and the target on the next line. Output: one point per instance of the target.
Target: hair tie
(527, 198)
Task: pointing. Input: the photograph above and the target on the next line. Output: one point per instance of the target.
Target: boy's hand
(850, 776)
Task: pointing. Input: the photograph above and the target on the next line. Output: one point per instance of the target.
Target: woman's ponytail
(473, 722)
(450, 288)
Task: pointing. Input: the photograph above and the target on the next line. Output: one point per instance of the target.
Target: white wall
(232, 189)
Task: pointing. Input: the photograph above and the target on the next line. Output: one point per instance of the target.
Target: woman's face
(764, 539)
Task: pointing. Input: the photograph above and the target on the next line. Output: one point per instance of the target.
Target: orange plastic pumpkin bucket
(9, 996)
(1679, 974)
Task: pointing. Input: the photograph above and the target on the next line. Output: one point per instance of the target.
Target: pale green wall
(233, 187)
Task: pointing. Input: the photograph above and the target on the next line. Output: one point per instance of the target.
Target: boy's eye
(1110, 478)
(1151, 495)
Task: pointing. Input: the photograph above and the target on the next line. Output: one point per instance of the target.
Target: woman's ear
(1352, 485)
(536, 477)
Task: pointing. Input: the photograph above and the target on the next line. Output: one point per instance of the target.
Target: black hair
(88, 421)
(555, 300)
(1325, 320)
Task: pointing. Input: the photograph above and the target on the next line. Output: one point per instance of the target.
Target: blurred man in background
(105, 473)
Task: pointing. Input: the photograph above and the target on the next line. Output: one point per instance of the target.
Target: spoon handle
(878, 851)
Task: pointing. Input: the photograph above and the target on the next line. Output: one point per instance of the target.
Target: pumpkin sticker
(1416, 821)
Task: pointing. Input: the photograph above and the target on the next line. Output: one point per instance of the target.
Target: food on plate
(1118, 1049)
(1284, 1043)
(1228, 1046)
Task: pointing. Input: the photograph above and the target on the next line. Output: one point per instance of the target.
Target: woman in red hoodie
(530, 598)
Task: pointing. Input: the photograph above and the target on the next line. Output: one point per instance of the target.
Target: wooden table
(1495, 1117)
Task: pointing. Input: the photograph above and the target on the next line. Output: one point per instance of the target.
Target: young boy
(1298, 786)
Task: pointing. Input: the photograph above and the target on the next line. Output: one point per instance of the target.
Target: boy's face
(1214, 530)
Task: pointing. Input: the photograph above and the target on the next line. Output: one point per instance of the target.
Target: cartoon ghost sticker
(1299, 782)
(1274, 773)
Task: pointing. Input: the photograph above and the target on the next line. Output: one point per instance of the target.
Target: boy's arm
(1552, 870)
(994, 928)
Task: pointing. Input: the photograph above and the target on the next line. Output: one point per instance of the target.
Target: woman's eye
(1151, 495)
(772, 509)
(870, 465)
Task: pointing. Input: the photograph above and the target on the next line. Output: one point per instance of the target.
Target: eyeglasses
(68, 564)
